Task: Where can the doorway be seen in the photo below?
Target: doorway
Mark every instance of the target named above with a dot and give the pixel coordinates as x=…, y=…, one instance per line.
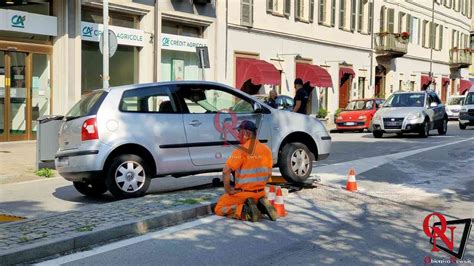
x=344, y=90
x=24, y=93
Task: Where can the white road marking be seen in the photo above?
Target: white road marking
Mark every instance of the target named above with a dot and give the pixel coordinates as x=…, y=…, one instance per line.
x=130, y=241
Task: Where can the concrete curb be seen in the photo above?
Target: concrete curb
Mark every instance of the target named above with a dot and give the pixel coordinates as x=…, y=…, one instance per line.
x=139, y=226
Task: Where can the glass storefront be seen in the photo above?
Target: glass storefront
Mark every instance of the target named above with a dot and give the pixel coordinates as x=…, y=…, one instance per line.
x=123, y=66
x=40, y=88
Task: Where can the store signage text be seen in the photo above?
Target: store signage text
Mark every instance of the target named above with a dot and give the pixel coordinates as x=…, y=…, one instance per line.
x=181, y=43
x=125, y=36
x=19, y=21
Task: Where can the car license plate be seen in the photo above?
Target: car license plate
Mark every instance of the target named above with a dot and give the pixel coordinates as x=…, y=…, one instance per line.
x=350, y=123
x=392, y=123
x=63, y=161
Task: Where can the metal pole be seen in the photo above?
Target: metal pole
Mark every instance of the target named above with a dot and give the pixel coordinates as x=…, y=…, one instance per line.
x=372, y=46
x=432, y=40
x=201, y=57
x=105, y=49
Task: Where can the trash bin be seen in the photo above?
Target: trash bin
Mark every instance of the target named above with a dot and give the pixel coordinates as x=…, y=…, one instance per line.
x=47, y=143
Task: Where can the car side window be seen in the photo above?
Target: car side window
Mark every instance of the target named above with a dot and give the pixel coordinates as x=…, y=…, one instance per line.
x=378, y=103
x=148, y=100
x=200, y=99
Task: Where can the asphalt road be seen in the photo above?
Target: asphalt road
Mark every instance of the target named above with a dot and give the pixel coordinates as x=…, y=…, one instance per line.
x=401, y=180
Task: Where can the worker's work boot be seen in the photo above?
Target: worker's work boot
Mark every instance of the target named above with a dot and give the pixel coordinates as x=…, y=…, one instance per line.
x=250, y=211
x=266, y=208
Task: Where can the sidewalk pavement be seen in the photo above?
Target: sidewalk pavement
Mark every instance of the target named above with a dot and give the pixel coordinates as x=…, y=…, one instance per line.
x=18, y=161
x=33, y=239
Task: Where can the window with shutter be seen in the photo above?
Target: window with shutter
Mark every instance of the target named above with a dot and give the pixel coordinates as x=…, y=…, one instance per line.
x=287, y=8
x=382, y=19
x=270, y=6
x=360, y=16
x=322, y=11
x=311, y=10
x=448, y=3
x=423, y=39
x=371, y=18
x=353, y=14
x=401, y=17
x=390, y=20
x=432, y=35
x=246, y=13
x=440, y=37
x=409, y=26
x=298, y=9
x=333, y=13
x=342, y=14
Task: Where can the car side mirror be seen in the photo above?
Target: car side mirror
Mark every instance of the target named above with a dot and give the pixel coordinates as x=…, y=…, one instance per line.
x=433, y=104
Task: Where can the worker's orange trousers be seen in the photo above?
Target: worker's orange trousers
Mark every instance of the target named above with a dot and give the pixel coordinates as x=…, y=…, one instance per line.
x=231, y=205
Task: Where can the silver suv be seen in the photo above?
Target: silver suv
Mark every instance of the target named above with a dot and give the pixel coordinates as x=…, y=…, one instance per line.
x=118, y=139
x=411, y=112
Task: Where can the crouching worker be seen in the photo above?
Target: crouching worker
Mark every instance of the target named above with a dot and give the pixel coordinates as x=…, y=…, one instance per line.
x=252, y=164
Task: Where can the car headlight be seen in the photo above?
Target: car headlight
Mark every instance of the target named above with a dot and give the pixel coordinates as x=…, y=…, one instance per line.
x=414, y=116
x=463, y=109
x=362, y=117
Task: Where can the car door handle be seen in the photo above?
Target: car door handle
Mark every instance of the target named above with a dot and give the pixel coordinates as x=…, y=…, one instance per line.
x=195, y=123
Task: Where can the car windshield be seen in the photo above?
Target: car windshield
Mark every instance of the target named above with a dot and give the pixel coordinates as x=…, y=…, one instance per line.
x=405, y=100
x=84, y=106
x=469, y=98
x=455, y=101
x=360, y=105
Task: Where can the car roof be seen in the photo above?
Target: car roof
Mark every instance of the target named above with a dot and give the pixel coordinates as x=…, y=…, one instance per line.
x=412, y=92
x=368, y=99
x=164, y=83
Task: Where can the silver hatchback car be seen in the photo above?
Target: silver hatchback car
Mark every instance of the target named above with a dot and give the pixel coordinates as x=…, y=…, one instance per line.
x=118, y=139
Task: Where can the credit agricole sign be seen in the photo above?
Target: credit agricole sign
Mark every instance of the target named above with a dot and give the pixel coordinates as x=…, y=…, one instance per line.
x=181, y=43
x=125, y=36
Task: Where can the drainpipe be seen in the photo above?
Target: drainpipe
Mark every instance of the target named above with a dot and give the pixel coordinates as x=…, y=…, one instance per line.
x=432, y=41
x=155, y=44
x=372, y=46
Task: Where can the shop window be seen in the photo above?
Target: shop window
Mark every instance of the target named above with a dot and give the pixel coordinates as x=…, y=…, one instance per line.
x=115, y=18
x=175, y=28
x=179, y=65
x=123, y=66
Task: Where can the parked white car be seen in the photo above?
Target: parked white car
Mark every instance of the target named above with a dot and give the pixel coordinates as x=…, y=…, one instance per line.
x=453, y=106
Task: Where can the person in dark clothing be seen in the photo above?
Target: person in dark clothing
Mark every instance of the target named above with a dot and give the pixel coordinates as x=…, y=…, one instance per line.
x=271, y=100
x=301, y=97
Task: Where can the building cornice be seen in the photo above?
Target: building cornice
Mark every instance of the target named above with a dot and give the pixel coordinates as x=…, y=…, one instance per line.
x=186, y=18
x=118, y=8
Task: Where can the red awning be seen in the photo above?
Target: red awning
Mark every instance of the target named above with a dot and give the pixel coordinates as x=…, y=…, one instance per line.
x=259, y=71
x=464, y=86
x=445, y=81
x=346, y=71
x=316, y=75
x=425, y=80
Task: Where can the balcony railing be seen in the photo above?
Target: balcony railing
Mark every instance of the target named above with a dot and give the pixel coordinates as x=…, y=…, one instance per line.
x=391, y=44
x=460, y=58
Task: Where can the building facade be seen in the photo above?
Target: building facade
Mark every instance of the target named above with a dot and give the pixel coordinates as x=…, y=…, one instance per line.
x=343, y=49
x=369, y=48
x=50, y=56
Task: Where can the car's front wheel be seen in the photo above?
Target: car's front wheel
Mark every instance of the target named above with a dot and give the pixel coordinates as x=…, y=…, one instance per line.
x=462, y=126
x=425, y=130
x=296, y=162
x=443, y=128
x=93, y=189
x=377, y=134
x=128, y=176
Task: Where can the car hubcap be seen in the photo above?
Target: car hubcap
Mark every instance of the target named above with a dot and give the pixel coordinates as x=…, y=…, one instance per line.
x=300, y=162
x=130, y=176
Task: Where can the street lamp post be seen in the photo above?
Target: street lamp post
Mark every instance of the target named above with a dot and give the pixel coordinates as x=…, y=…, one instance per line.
x=105, y=48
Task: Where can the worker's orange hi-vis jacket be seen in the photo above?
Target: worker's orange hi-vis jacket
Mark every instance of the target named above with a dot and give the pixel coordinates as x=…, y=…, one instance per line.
x=251, y=170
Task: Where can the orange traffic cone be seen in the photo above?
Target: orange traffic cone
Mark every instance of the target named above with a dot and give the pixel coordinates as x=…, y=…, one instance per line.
x=351, y=181
x=279, y=204
x=271, y=195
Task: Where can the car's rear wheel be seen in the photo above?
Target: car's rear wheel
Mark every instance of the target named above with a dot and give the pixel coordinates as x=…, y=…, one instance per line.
x=128, y=176
x=377, y=134
x=462, y=126
x=443, y=128
x=93, y=189
x=425, y=129
x=296, y=162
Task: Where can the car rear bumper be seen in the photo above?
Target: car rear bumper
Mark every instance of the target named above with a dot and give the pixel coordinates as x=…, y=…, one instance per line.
x=78, y=165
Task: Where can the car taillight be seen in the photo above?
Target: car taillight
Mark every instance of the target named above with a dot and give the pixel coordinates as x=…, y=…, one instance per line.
x=89, y=130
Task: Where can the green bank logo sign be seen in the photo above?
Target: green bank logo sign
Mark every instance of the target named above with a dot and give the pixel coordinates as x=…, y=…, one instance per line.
x=181, y=43
x=18, y=21
x=125, y=36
